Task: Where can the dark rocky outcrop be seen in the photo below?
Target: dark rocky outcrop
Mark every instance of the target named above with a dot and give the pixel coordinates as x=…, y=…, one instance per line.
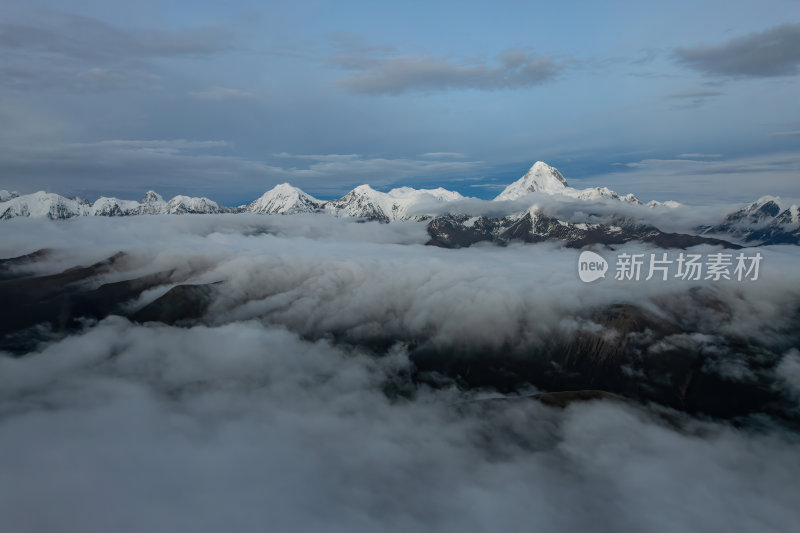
x=459, y=231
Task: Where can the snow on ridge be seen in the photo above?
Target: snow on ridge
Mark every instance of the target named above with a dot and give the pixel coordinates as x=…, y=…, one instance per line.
x=541, y=177
x=284, y=199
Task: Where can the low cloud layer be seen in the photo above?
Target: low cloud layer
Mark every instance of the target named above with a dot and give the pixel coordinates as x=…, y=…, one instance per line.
x=318, y=276
x=243, y=427
x=769, y=53
x=401, y=74
x=260, y=418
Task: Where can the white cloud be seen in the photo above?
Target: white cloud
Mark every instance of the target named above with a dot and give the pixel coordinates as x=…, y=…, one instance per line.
x=696, y=155
x=258, y=417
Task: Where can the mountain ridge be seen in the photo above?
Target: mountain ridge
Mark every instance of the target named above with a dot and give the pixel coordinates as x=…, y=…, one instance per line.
x=761, y=222
x=400, y=203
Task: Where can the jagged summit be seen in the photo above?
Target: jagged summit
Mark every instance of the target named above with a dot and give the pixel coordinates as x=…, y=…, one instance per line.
x=759, y=212
x=762, y=221
x=403, y=203
x=541, y=177
x=765, y=221
x=790, y=216
x=362, y=202
x=151, y=197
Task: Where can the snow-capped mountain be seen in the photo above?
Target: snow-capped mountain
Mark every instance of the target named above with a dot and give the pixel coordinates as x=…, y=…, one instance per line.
x=601, y=193
x=670, y=204
x=151, y=204
x=789, y=216
x=56, y=207
x=361, y=202
x=759, y=213
x=763, y=221
x=43, y=204
x=403, y=203
x=543, y=178
x=5, y=195
x=452, y=220
x=113, y=207
x=534, y=225
x=284, y=199
x=182, y=205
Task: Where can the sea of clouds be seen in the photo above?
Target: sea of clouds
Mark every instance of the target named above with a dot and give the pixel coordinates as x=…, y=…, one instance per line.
x=272, y=412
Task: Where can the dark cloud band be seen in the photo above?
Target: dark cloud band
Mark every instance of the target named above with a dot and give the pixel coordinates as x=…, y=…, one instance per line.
x=772, y=52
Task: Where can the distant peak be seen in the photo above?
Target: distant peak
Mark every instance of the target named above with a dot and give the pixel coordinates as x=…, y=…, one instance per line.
x=766, y=200
x=284, y=198
x=364, y=189
x=151, y=197
x=6, y=195
x=766, y=205
x=545, y=175
x=541, y=177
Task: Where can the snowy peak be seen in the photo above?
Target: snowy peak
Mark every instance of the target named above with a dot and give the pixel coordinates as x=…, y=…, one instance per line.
x=403, y=203
x=151, y=197
x=113, y=207
x=182, y=205
x=540, y=178
x=362, y=202
x=56, y=207
x=42, y=204
x=439, y=194
x=6, y=196
x=153, y=204
x=762, y=222
x=759, y=212
x=671, y=204
x=764, y=208
x=790, y=216
x=601, y=193
x=284, y=199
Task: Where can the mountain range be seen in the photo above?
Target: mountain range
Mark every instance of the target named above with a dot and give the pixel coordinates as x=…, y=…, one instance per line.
x=455, y=220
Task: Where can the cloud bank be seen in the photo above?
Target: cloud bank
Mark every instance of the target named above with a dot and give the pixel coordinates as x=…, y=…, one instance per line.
x=769, y=53
x=276, y=411
x=402, y=74
x=79, y=53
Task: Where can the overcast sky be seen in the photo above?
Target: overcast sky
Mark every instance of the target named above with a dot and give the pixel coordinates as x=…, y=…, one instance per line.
x=665, y=100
